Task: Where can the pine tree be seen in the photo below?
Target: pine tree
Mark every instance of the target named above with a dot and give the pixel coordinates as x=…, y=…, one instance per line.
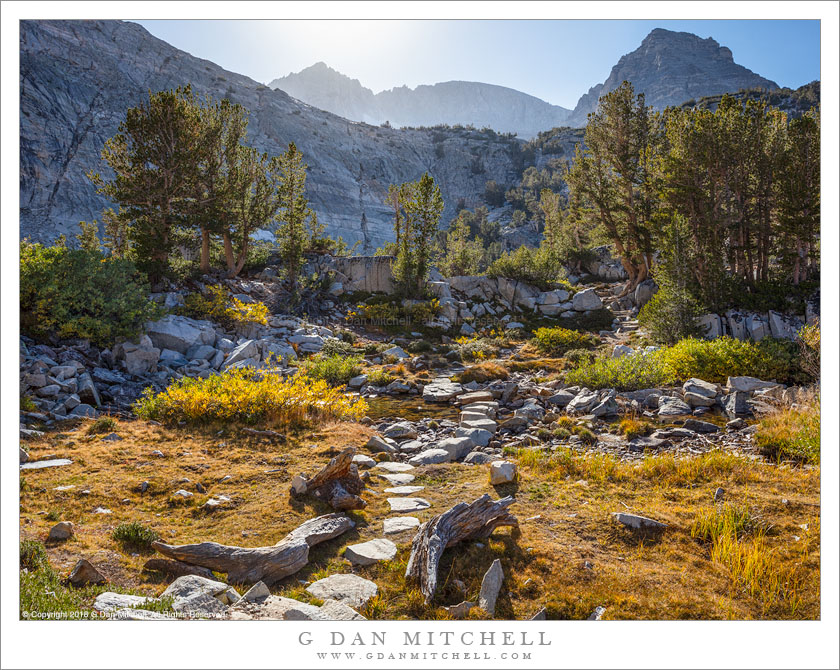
x=295, y=216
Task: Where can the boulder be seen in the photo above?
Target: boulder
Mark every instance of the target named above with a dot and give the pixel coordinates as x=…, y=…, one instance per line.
x=247, y=350
x=478, y=458
x=357, y=382
x=757, y=327
x=194, y=593
x=456, y=447
x=408, y=504
x=700, y=387
x=179, y=333
x=441, y=390
x=637, y=522
x=696, y=400
x=351, y=590
x=84, y=573
x=736, y=324
x=700, y=426
x=140, y=358
x=586, y=300
x=376, y=444
x=63, y=530
x=620, y=350
x=583, y=402
x=669, y=406
x=561, y=398
x=710, y=326
x=747, y=384
x=396, y=352
x=607, y=407
x=478, y=436
x=644, y=292
x=502, y=472
x=402, y=430
x=370, y=552
x=735, y=404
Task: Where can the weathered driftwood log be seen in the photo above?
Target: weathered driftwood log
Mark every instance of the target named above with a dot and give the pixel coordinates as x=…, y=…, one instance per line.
x=465, y=521
x=338, y=483
x=267, y=564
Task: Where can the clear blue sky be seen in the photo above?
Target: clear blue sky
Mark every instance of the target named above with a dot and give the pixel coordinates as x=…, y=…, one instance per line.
x=552, y=59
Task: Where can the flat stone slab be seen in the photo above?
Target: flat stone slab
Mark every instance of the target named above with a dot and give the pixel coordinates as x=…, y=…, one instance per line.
x=404, y=490
x=370, y=552
x=431, y=457
x=408, y=504
x=109, y=601
x=400, y=524
x=352, y=590
x=363, y=461
x=50, y=463
x=332, y=610
x=398, y=479
x=389, y=466
x=474, y=396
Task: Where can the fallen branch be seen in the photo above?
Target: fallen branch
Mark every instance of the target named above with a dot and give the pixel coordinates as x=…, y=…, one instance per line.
x=465, y=521
x=338, y=483
x=266, y=564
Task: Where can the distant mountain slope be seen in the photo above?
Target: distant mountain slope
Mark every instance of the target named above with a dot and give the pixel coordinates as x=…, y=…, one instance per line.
x=503, y=109
x=794, y=102
x=78, y=78
x=670, y=68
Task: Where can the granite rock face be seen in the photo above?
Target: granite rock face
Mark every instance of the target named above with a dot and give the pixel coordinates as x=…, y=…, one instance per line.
x=670, y=68
x=78, y=78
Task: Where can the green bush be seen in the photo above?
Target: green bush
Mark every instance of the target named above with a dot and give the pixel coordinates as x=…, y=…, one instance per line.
x=104, y=424
x=557, y=341
x=135, y=535
x=379, y=377
x=710, y=360
x=670, y=316
x=628, y=373
x=334, y=369
x=594, y=321
x=33, y=556
x=336, y=347
x=78, y=293
x=537, y=267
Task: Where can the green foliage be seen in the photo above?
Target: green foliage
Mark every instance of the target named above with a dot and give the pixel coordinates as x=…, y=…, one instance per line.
x=135, y=535
x=594, y=321
x=335, y=369
x=89, y=237
x=670, y=315
x=557, y=341
x=393, y=315
x=722, y=521
x=494, y=194
x=809, y=351
x=337, y=347
x=421, y=204
x=628, y=373
x=33, y=556
x=27, y=404
x=461, y=255
x=710, y=360
x=78, y=293
x=537, y=267
x=379, y=377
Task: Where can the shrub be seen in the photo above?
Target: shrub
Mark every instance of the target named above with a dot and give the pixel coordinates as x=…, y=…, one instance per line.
x=586, y=436
x=715, y=360
x=419, y=347
x=579, y=356
x=670, y=315
x=483, y=372
x=335, y=369
x=27, y=404
x=336, y=347
x=78, y=293
x=557, y=341
x=594, y=321
x=33, y=556
x=634, y=428
x=628, y=373
x=477, y=348
x=393, y=315
x=135, y=535
x=792, y=433
x=247, y=396
x=379, y=377
x=219, y=306
x=104, y=424
x=532, y=266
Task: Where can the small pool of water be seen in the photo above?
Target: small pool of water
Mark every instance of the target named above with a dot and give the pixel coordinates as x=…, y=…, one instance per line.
x=411, y=408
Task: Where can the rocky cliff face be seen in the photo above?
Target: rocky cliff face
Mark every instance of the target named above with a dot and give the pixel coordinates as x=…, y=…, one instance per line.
x=452, y=102
x=78, y=77
x=670, y=68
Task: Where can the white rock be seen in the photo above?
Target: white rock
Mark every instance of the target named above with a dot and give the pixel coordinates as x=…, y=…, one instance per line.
x=392, y=467
x=490, y=586
x=430, y=457
x=502, y=472
x=400, y=524
x=352, y=590
x=370, y=552
x=586, y=300
x=408, y=504
x=63, y=530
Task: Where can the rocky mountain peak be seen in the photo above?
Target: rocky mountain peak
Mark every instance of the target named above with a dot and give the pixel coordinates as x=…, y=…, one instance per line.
x=671, y=67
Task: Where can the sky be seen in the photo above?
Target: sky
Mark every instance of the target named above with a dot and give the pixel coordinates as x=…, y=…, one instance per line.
x=555, y=60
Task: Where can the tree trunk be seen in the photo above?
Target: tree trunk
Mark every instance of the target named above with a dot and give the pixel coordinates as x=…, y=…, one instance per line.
x=338, y=483
x=229, y=260
x=266, y=564
x=464, y=521
x=205, y=250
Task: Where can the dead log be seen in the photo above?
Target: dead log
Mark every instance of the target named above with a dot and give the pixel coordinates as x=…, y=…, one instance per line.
x=176, y=568
x=465, y=521
x=338, y=483
x=267, y=564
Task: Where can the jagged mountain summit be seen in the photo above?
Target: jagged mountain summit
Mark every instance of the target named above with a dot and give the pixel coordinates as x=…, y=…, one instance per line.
x=453, y=102
x=77, y=79
x=670, y=68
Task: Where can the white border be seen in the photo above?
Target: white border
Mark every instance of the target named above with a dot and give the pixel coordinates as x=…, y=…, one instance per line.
x=574, y=644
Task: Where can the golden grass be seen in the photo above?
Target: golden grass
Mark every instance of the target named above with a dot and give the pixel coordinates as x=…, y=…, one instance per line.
x=483, y=372
x=792, y=433
x=563, y=502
